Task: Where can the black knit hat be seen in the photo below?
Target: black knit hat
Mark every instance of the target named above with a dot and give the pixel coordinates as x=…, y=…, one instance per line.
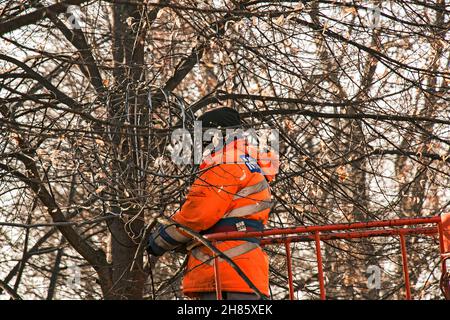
x=220, y=117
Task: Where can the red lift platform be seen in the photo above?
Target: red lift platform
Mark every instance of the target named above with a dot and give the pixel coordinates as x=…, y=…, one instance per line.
x=431, y=226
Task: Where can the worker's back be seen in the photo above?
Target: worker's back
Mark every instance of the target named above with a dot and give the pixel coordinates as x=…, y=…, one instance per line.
x=231, y=193
x=227, y=197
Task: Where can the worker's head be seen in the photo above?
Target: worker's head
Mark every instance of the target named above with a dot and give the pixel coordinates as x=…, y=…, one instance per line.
x=227, y=118
x=220, y=118
x=218, y=126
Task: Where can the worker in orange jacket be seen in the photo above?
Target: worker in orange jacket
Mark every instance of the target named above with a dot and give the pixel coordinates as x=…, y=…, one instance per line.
x=225, y=197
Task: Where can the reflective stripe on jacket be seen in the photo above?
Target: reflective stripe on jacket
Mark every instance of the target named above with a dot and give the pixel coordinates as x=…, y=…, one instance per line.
x=224, y=193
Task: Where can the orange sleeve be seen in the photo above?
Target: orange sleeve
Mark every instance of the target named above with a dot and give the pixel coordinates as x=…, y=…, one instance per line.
x=445, y=217
x=209, y=197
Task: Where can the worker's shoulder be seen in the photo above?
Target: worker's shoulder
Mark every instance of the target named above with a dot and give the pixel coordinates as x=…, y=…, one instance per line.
x=231, y=170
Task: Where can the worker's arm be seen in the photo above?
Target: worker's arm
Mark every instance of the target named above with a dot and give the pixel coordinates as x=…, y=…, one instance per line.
x=206, y=203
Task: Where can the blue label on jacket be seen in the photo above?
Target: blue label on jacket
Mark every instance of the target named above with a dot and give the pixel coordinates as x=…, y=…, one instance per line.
x=251, y=163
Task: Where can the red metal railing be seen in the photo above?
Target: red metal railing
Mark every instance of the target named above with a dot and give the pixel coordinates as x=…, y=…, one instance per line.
x=382, y=228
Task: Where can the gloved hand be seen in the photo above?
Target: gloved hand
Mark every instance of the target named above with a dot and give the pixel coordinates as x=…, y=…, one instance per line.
x=152, y=248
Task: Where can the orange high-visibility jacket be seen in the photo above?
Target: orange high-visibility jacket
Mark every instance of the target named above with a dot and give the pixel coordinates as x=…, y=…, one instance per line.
x=445, y=217
x=445, y=278
x=231, y=196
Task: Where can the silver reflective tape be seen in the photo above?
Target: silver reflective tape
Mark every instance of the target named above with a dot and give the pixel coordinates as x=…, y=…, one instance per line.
x=201, y=256
x=163, y=243
x=247, y=191
x=240, y=249
x=176, y=235
x=249, y=209
x=230, y=253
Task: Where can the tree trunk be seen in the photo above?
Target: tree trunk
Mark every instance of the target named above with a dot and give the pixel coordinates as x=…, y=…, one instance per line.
x=125, y=107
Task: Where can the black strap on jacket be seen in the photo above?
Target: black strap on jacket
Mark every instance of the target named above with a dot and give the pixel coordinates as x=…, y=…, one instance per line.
x=237, y=224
